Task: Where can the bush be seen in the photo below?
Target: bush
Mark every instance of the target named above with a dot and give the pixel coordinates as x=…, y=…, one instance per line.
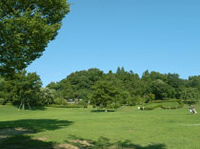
x=190, y=102
x=74, y=106
x=66, y=106
x=114, y=106
x=2, y=101
x=59, y=101
x=9, y=103
x=162, y=101
x=57, y=106
x=161, y=105
x=83, y=104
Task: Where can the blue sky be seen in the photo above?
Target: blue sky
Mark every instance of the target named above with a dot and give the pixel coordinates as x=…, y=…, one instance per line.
x=158, y=35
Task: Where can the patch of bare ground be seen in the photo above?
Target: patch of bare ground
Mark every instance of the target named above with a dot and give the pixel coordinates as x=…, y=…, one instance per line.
x=42, y=138
x=70, y=145
x=65, y=146
x=82, y=142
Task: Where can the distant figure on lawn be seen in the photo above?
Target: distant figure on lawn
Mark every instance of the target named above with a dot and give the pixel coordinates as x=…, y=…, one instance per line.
x=192, y=109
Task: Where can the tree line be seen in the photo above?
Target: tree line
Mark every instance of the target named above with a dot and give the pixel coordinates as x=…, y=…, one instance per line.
x=100, y=89
x=126, y=87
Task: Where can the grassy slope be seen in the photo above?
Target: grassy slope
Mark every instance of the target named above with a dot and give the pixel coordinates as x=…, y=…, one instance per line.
x=173, y=129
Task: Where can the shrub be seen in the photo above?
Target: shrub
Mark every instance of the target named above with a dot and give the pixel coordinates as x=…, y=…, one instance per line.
x=83, y=104
x=74, y=106
x=114, y=106
x=59, y=101
x=66, y=106
x=2, y=101
x=161, y=105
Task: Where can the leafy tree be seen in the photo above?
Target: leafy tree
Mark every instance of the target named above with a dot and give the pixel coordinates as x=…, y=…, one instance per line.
x=53, y=85
x=174, y=80
x=128, y=82
x=123, y=97
x=46, y=96
x=6, y=90
x=27, y=26
x=104, y=93
x=194, y=81
x=77, y=85
x=190, y=95
x=149, y=97
x=26, y=88
x=146, y=76
x=2, y=91
x=161, y=90
x=177, y=83
x=156, y=75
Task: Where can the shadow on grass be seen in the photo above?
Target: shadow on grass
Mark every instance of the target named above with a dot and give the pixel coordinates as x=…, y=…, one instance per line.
x=99, y=111
x=16, y=134
x=25, y=142
x=104, y=143
x=36, y=125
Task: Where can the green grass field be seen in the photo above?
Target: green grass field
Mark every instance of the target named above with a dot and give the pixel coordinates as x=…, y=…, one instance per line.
x=91, y=129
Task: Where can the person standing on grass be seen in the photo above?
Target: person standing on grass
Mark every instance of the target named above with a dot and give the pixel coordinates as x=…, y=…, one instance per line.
x=194, y=110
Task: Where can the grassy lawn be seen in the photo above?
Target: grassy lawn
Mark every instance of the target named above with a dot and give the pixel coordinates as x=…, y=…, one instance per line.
x=87, y=128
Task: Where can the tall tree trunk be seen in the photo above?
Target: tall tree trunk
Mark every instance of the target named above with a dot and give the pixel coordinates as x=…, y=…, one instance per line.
x=23, y=106
x=20, y=106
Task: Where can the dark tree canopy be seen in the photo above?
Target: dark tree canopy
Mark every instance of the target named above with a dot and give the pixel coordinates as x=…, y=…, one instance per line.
x=26, y=27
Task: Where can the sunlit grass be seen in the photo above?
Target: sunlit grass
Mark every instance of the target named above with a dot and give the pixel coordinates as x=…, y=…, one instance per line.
x=173, y=129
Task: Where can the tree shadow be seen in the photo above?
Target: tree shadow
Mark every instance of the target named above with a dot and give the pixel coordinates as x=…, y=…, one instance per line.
x=104, y=143
x=36, y=125
x=25, y=142
x=99, y=111
x=16, y=134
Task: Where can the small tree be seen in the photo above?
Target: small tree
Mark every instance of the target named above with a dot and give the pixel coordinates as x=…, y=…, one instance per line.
x=46, y=96
x=103, y=94
x=26, y=89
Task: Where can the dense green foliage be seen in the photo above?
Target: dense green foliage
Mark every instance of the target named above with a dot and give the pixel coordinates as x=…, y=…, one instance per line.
x=125, y=88
x=77, y=85
x=104, y=93
x=22, y=88
x=27, y=26
x=100, y=89
x=126, y=128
